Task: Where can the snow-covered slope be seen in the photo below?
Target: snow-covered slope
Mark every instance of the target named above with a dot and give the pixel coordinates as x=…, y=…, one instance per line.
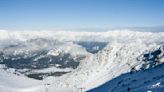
x=112, y=61
x=17, y=83
x=150, y=80
x=123, y=53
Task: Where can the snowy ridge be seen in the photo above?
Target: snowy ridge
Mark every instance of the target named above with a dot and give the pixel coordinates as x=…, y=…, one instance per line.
x=150, y=80
x=109, y=63
x=118, y=57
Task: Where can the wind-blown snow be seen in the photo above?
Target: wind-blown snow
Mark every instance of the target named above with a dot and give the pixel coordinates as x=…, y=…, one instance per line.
x=118, y=57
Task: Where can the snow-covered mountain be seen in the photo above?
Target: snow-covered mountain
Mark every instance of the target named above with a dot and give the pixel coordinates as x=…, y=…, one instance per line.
x=81, y=61
x=145, y=76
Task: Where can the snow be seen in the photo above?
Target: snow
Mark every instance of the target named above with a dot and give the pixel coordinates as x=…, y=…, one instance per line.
x=54, y=52
x=156, y=85
x=13, y=83
x=117, y=58
x=102, y=68
x=52, y=69
x=141, y=81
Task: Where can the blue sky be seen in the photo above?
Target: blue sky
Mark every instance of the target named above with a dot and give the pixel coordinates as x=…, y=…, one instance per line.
x=73, y=14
